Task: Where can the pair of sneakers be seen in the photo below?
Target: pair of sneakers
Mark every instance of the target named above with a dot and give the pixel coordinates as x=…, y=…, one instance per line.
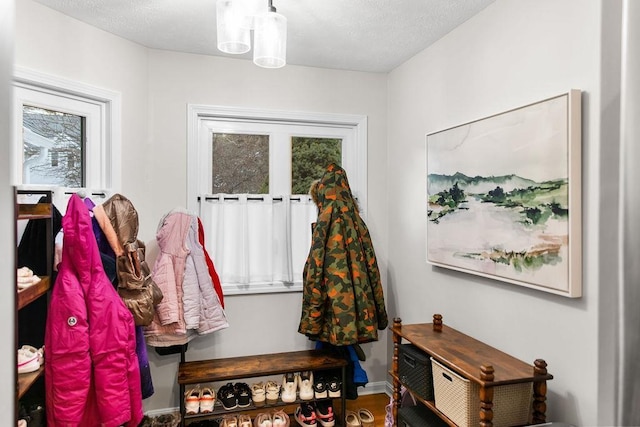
x=235, y=395
x=29, y=359
x=262, y=393
x=329, y=387
x=297, y=384
x=242, y=420
x=319, y=413
x=277, y=418
x=199, y=400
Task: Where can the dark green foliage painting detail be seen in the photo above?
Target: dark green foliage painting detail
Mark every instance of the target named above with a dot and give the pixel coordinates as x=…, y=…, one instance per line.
x=534, y=204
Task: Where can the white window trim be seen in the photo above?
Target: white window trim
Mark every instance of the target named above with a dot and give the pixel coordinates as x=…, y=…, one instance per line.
x=355, y=161
x=198, y=113
x=110, y=150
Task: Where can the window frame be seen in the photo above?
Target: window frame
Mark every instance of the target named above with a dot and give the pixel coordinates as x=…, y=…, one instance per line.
x=102, y=167
x=199, y=137
x=199, y=131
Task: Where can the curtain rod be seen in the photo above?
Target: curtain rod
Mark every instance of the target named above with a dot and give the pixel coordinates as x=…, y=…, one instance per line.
x=259, y=198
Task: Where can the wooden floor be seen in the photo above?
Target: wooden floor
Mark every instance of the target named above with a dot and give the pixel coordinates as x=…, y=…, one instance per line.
x=373, y=402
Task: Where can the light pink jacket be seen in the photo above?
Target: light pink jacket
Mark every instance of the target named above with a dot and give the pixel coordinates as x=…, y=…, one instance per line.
x=168, y=326
x=92, y=375
x=190, y=306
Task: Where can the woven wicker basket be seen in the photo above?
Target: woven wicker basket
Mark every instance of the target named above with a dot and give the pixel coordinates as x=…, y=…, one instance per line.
x=459, y=399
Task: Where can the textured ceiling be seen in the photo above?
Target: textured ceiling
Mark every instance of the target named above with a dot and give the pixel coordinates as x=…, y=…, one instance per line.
x=360, y=35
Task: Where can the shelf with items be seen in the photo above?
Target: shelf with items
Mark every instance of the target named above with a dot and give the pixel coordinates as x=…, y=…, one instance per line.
x=245, y=367
x=41, y=210
x=483, y=367
x=29, y=294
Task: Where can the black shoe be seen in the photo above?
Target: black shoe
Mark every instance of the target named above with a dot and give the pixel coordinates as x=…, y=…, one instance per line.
x=36, y=416
x=227, y=396
x=320, y=387
x=243, y=394
x=334, y=386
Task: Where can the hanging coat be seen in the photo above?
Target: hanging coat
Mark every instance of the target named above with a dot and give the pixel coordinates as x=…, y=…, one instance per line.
x=191, y=306
x=118, y=220
x=91, y=368
x=342, y=301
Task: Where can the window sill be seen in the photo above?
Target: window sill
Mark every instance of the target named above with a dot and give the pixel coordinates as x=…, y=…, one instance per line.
x=260, y=288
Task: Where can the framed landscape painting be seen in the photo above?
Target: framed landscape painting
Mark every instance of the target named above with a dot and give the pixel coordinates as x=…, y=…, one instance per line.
x=504, y=196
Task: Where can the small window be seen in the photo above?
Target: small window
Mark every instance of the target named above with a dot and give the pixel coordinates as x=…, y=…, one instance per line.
x=67, y=134
x=49, y=136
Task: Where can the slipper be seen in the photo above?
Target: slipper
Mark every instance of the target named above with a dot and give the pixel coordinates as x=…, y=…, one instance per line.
x=352, y=419
x=366, y=417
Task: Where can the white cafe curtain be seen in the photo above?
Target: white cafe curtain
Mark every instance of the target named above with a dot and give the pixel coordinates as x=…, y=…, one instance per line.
x=258, y=243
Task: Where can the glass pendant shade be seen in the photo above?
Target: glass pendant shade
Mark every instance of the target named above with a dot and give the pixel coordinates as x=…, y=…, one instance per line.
x=233, y=36
x=250, y=9
x=270, y=40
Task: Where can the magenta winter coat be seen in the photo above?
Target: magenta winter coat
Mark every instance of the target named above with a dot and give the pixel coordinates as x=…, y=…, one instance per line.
x=92, y=374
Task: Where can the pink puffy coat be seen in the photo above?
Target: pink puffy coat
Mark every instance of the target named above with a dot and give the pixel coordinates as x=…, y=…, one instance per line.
x=92, y=375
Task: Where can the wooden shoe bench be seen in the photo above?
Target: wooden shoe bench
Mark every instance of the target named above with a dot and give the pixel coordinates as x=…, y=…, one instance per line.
x=244, y=367
x=486, y=368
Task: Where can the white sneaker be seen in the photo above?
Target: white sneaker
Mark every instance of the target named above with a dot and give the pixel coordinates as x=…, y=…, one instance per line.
x=28, y=360
x=289, y=387
x=305, y=383
x=192, y=401
x=258, y=393
x=207, y=400
x=272, y=392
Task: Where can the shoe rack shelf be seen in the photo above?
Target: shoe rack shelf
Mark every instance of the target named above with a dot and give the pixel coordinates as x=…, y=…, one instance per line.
x=43, y=210
x=243, y=367
x=471, y=359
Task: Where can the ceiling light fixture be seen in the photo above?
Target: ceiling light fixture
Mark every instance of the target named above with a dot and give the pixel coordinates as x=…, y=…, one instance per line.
x=236, y=19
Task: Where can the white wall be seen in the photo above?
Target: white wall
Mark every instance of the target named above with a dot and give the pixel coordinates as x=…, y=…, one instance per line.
x=511, y=54
x=7, y=225
x=156, y=87
x=259, y=323
x=52, y=43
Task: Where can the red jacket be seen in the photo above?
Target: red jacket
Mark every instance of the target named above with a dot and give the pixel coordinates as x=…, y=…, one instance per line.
x=92, y=375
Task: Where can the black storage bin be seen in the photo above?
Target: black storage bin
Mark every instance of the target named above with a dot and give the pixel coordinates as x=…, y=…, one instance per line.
x=419, y=416
x=414, y=371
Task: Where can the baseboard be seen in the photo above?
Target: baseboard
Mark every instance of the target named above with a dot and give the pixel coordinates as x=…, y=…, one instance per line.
x=371, y=388
x=375, y=388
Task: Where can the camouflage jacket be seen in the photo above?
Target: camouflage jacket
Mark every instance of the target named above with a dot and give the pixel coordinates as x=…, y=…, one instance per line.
x=343, y=301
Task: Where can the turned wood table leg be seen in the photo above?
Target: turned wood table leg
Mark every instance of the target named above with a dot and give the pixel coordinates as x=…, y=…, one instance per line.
x=486, y=397
x=397, y=339
x=539, y=393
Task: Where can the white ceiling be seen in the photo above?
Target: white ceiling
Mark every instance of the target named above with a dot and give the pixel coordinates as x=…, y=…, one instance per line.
x=359, y=35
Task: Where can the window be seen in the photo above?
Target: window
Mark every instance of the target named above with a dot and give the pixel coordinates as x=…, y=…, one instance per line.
x=66, y=134
x=249, y=176
x=48, y=137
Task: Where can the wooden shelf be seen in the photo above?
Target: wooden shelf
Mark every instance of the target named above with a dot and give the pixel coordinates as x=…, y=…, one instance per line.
x=27, y=295
x=211, y=370
x=34, y=211
x=42, y=212
x=25, y=381
x=477, y=362
x=240, y=368
x=428, y=403
x=465, y=355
